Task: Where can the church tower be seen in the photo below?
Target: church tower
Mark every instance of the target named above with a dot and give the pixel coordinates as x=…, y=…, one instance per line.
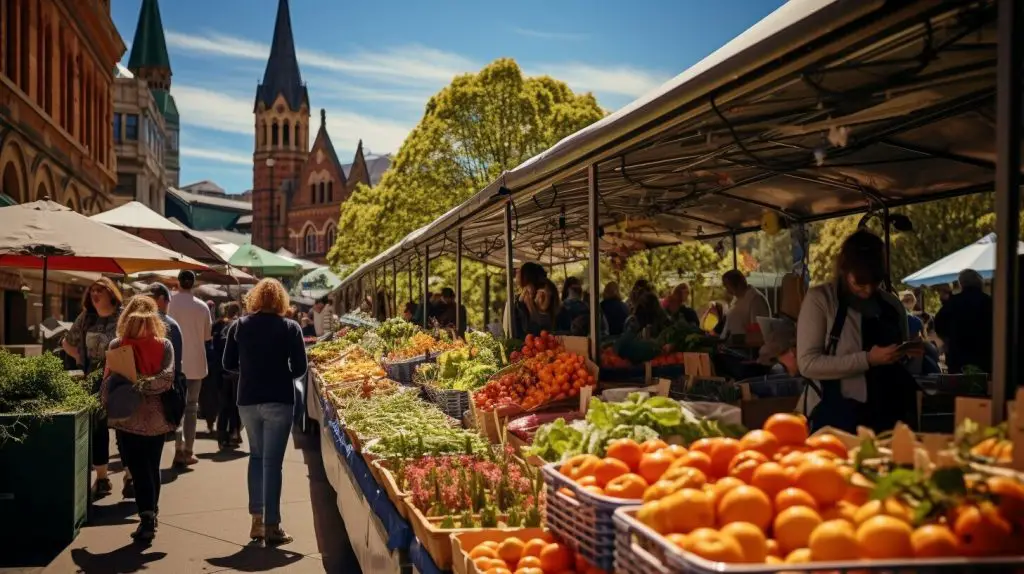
x=149, y=61
x=281, y=145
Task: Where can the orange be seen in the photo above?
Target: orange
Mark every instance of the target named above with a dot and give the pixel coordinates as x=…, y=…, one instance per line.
x=842, y=510
x=494, y=563
x=1011, y=498
x=483, y=563
x=653, y=445
x=723, y=485
x=830, y=443
x=821, y=479
x=751, y=538
x=588, y=480
x=744, y=456
x=676, y=538
x=793, y=527
x=858, y=488
x=685, y=477
x=695, y=459
x=773, y=560
x=888, y=507
x=794, y=458
x=594, y=489
x=654, y=464
x=799, y=556
x=511, y=549
x=528, y=570
x=497, y=570
x=676, y=450
x=934, y=541
x=762, y=441
x=630, y=486
x=608, y=468
x=490, y=544
x=555, y=558
x=482, y=551
x=627, y=450
x=745, y=504
x=833, y=540
x=794, y=497
x=704, y=445
x=715, y=546
x=825, y=454
x=772, y=547
x=579, y=465
x=528, y=562
x=533, y=547
x=565, y=490
x=771, y=478
x=680, y=512
x=981, y=531
x=789, y=429
x=884, y=538
x=722, y=454
x=659, y=490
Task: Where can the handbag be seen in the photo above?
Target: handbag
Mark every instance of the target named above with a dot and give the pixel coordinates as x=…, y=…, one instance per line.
x=834, y=409
x=173, y=400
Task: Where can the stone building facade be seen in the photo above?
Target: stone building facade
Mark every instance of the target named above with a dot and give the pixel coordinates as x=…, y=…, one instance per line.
x=297, y=190
x=140, y=143
x=56, y=109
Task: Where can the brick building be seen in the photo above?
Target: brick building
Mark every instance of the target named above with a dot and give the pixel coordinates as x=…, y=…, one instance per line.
x=56, y=109
x=297, y=190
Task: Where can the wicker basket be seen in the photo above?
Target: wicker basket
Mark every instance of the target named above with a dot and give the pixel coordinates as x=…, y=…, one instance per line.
x=405, y=370
x=452, y=403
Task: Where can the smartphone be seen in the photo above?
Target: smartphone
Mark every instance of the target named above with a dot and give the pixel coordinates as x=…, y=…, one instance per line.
x=911, y=346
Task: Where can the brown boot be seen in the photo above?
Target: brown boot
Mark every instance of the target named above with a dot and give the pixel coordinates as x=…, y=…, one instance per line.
x=276, y=536
x=257, y=531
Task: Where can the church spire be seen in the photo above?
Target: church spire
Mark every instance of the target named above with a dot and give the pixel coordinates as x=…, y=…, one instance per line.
x=282, y=77
x=149, y=59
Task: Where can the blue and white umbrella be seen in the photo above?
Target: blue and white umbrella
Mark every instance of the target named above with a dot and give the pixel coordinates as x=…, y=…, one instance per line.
x=980, y=256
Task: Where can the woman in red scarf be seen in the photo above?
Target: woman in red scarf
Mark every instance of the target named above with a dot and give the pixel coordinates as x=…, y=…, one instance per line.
x=140, y=435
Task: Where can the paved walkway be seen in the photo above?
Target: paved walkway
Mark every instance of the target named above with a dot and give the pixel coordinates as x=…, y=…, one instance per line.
x=204, y=522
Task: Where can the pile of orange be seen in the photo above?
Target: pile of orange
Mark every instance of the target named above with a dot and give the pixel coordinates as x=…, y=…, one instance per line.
x=776, y=496
x=535, y=556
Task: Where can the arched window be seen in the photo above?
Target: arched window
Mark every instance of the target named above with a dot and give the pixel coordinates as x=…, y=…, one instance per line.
x=287, y=134
x=298, y=140
x=312, y=193
x=330, y=191
x=263, y=133
x=322, y=192
x=310, y=240
x=332, y=233
x=274, y=132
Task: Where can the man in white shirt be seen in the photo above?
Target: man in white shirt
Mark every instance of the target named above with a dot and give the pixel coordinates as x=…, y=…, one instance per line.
x=748, y=304
x=193, y=316
x=322, y=311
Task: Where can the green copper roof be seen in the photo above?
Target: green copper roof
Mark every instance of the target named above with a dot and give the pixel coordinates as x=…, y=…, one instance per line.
x=165, y=103
x=149, y=49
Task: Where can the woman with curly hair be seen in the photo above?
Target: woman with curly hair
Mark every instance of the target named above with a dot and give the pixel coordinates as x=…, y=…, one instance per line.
x=266, y=350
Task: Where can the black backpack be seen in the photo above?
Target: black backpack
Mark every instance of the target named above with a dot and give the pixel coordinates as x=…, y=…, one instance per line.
x=173, y=400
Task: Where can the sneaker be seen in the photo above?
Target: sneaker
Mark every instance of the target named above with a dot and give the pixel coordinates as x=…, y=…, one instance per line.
x=102, y=487
x=146, y=530
x=235, y=440
x=276, y=536
x=128, y=491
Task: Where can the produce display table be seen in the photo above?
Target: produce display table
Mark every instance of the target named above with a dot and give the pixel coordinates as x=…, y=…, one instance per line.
x=382, y=540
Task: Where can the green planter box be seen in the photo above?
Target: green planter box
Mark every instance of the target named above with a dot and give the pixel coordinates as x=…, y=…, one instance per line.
x=44, y=484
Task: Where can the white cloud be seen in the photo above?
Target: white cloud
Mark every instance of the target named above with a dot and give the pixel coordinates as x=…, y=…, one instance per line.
x=219, y=111
x=216, y=155
x=545, y=35
x=618, y=80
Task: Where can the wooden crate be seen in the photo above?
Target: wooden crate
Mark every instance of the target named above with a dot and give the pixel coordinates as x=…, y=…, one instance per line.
x=464, y=542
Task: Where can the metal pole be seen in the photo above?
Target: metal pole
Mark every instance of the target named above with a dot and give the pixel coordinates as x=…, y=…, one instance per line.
x=394, y=287
x=735, y=257
x=426, y=286
x=1005, y=363
x=510, y=272
x=887, y=225
x=460, y=321
x=594, y=271
x=487, y=295
x=45, y=309
x=409, y=272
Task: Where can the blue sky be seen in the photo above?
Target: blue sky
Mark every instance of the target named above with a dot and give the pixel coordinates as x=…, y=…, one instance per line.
x=373, y=65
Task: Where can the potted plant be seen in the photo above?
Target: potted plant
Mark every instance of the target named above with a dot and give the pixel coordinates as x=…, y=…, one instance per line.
x=44, y=451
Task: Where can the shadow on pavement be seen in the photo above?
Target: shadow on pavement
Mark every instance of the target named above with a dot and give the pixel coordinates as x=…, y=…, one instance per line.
x=331, y=536
x=129, y=558
x=113, y=514
x=223, y=455
x=255, y=558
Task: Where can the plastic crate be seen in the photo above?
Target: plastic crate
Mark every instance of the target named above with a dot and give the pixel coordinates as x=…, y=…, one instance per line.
x=582, y=521
x=404, y=371
x=452, y=403
x=639, y=547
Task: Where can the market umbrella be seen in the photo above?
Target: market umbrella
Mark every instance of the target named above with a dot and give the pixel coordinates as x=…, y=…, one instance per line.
x=979, y=256
x=256, y=260
x=306, y=264
x=48, y=236
x=143, y=222
x=318, y=283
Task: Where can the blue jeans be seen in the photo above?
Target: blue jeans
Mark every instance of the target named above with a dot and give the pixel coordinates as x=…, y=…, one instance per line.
x=267, y=426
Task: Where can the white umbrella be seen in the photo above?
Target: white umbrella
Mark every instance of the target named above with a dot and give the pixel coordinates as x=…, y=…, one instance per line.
x=979, y=256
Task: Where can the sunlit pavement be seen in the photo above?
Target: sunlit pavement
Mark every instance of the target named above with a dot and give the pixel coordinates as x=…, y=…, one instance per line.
x=204, y=522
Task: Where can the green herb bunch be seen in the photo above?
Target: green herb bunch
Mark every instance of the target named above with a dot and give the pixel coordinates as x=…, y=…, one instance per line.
x=38, y=386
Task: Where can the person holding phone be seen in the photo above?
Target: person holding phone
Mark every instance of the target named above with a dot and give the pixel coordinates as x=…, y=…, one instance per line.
x=849, y=337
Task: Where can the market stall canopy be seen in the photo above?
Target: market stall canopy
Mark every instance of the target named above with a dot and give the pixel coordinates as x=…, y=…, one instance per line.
x=980, y=256
x=46, y=233
x=306, y=264
x=229, y=276
x=210, y=292
x=141, y=221
x=317, y=283
x=262, y=262
x=824, y=108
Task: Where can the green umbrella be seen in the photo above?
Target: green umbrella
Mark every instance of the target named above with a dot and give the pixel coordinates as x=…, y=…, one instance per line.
x=318, y=282
x=253, y=259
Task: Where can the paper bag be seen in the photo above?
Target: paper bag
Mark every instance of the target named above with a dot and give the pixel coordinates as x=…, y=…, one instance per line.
x=122, y=361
